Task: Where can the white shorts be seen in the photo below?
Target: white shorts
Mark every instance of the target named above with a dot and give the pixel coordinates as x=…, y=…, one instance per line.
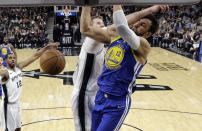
x=13, y=117
x=88, y=104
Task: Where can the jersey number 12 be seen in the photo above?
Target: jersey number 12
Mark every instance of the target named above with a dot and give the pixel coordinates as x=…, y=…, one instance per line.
x=19, y=84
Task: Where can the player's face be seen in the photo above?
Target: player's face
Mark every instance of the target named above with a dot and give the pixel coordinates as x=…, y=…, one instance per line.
x=98, y=22
x=6, y=41
x=142, y=27
x=11, y=60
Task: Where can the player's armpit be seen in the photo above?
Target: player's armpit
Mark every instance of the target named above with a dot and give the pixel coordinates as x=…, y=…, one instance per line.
x=143, y=51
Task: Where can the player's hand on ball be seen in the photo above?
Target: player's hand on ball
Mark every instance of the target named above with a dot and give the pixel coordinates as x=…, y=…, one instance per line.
x=53, y=45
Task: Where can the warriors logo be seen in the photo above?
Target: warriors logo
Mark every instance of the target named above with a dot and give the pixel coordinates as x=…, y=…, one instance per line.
x=4, y=51
x=114, y=57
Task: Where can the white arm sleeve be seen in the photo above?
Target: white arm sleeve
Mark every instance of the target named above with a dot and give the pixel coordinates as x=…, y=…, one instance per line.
x=124, y=31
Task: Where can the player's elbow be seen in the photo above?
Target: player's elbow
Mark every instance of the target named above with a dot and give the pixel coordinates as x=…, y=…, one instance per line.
x=122, y=30
x=84, y=30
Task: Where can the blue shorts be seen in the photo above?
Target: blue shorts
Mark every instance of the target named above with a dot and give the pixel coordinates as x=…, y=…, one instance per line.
x=109, y=112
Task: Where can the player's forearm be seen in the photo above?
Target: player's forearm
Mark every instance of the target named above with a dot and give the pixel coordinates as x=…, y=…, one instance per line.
x=15, y=54
x=116, y=8
x=36, y=55
x=40, y=52
x=132, y=18
x=85, y=21
x=122, y=28
x=13, y=50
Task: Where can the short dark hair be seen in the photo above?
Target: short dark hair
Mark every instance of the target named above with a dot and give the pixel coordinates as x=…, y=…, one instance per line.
x=8, y=54
x=155, y=24
x=96, y=17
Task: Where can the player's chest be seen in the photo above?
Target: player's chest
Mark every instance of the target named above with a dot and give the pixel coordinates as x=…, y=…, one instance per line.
x=15, y=76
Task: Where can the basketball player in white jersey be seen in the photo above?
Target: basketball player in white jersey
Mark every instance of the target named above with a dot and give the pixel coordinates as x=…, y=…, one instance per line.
x=85, y=77
x=1, y=67
x=11, y=80
x=89, y=68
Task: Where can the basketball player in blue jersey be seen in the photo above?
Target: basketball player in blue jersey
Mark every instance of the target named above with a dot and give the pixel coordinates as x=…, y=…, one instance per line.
x=5, y=49
x=85, y=79
x=125, y=57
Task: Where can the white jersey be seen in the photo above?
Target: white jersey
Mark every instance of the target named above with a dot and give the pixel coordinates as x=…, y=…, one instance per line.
x=13, y=86
x=89, y=65
x=85, y=78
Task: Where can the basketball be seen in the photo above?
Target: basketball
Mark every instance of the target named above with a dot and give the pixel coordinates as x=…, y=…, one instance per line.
x=52, y=62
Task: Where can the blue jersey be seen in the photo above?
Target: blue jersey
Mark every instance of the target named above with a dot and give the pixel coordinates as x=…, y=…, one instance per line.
x=5, y=49
x=120, y=69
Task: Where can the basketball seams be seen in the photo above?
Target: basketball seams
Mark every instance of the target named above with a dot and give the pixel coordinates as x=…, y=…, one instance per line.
x=55, y=69
x=60, y=67
x=48, y=52
x=50, y=59
x=63, y=63
x=52, y=62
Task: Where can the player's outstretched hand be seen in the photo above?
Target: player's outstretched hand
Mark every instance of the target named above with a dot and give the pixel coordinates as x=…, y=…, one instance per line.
x=53, y=45
x=159, y=8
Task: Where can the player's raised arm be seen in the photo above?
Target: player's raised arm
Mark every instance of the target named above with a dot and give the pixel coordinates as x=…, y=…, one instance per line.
x=36, y=55
x=136, y=16
x=13, y=50
x=87, y=29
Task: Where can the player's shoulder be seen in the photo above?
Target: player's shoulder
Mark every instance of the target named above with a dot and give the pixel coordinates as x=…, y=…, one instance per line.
x=17, y=68
x=144, y=42
x=91, y=46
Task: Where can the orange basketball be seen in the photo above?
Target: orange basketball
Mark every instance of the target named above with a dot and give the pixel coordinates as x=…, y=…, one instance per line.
x=52, y=62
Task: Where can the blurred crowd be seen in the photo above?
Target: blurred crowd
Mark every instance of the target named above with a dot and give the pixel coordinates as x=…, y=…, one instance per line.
x=180, y=27
x=24, y=26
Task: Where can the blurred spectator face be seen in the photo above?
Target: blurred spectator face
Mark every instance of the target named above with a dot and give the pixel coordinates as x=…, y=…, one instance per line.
x=98, y=22
x=6, y=41
x=141, y=27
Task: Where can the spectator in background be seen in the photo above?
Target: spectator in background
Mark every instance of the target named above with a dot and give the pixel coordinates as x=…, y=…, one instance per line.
x=22, y=23
x=56, y=33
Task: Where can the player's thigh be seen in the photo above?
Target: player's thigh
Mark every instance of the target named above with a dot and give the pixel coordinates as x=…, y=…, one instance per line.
x=18, y=117
x=110, y=120
x=11, y=118
x=96, y=119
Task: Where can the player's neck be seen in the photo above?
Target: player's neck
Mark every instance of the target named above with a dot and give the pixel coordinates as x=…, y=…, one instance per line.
x=11, y=68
